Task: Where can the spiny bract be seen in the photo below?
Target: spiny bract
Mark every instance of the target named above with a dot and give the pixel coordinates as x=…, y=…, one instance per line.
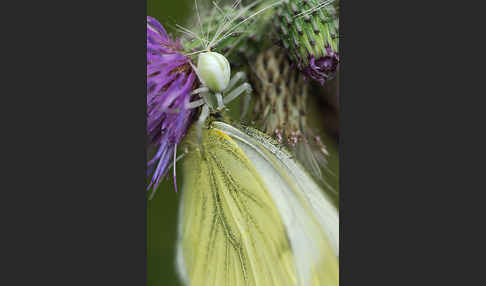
x=309, y=30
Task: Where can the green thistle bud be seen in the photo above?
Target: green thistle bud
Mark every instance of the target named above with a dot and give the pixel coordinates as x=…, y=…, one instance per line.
x=309, y=30
x=281, y=108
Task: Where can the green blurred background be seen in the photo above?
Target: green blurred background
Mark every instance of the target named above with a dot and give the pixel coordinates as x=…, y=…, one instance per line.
x=162, y=210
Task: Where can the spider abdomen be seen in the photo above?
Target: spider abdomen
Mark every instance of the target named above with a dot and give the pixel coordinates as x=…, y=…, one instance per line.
x=214, y=71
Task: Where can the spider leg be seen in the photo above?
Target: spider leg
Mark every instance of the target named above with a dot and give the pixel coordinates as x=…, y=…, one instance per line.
x=245, y=87
x=219, y=97
x=200, y=90
x=203, y=93
x=237, y=77
x=199, y=126
x=246, y=104
x=195, y=103
x=197, y=72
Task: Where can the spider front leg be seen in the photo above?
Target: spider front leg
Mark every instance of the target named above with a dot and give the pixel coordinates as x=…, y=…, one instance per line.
x=233, y=81
x=200, y=90
x=219, y=98
x=236, y=78
x=203, y=93
x=243, y=88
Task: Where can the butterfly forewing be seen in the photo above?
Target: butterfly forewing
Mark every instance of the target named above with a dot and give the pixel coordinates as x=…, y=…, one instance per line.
x=232, y=233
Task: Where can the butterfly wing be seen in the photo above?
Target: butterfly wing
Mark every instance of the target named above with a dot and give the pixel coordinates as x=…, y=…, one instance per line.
x=311, y=220
x=265, y=153
x=231, y=231
x=240, y=226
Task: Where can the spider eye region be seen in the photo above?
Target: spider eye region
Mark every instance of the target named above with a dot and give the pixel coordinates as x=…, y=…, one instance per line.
x=214, y=71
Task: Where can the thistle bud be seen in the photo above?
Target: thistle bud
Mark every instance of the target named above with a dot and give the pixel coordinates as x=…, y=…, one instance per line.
x=281, y=108
x=309, y=30
x=214, y=70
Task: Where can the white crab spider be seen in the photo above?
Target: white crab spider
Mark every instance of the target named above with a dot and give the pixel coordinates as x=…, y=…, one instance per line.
x=213, y=69
x=218, y=89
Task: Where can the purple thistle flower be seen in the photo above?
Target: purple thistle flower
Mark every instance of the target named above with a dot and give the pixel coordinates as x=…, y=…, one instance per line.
x=323, y=68
x=170, y=80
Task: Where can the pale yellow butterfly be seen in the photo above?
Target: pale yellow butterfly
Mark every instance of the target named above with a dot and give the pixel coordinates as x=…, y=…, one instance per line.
x=251, y=215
